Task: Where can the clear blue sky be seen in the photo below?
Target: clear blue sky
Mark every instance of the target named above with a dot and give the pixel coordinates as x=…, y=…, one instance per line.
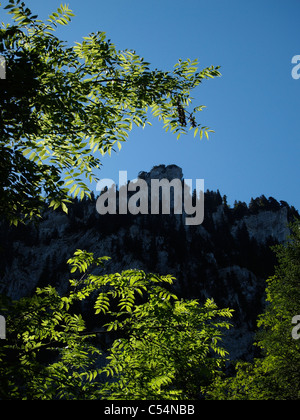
x=253, y=108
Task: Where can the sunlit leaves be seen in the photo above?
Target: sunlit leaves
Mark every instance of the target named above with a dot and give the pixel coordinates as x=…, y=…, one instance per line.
x=148, y=362
x=167, y=354
x=166, y=347
x=102, y=303
x=63, y=16
x=81, y=102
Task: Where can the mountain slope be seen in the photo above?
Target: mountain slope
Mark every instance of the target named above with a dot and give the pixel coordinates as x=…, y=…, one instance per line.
x=227, y=257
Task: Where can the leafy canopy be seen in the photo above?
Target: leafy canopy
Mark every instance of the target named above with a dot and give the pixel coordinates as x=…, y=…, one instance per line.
x=64, y=107
x=161, y=347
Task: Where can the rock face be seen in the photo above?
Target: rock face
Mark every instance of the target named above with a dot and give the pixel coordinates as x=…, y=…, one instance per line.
x=266, y=224
x=162, y=172
x=227, y=257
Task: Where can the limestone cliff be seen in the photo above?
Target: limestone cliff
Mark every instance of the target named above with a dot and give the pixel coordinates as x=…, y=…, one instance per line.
x=227, y=257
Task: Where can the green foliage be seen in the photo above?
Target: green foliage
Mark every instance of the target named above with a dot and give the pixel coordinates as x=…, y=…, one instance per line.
x=276, y=375
x=166, y=348
x=63, y=108
x=170, y=351
x=41, y=329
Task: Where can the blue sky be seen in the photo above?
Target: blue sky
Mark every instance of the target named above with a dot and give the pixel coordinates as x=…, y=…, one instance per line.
x=253, y=108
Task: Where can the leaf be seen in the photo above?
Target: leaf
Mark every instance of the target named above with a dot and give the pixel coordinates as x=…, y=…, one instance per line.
x=33, y=154
x=70, y=182
x=64, y=207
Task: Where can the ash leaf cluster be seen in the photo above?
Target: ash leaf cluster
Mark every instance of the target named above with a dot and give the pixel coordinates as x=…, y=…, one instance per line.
x=165, y=347
x=63, y=107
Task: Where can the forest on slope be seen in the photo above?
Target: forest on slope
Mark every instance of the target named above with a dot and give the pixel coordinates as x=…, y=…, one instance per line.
x=228, y=257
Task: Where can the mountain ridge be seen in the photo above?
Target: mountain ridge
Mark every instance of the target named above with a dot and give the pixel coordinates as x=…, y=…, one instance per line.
x=227, y=257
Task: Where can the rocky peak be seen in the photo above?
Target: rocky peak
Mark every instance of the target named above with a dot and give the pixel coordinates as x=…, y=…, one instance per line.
x=162, y=172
